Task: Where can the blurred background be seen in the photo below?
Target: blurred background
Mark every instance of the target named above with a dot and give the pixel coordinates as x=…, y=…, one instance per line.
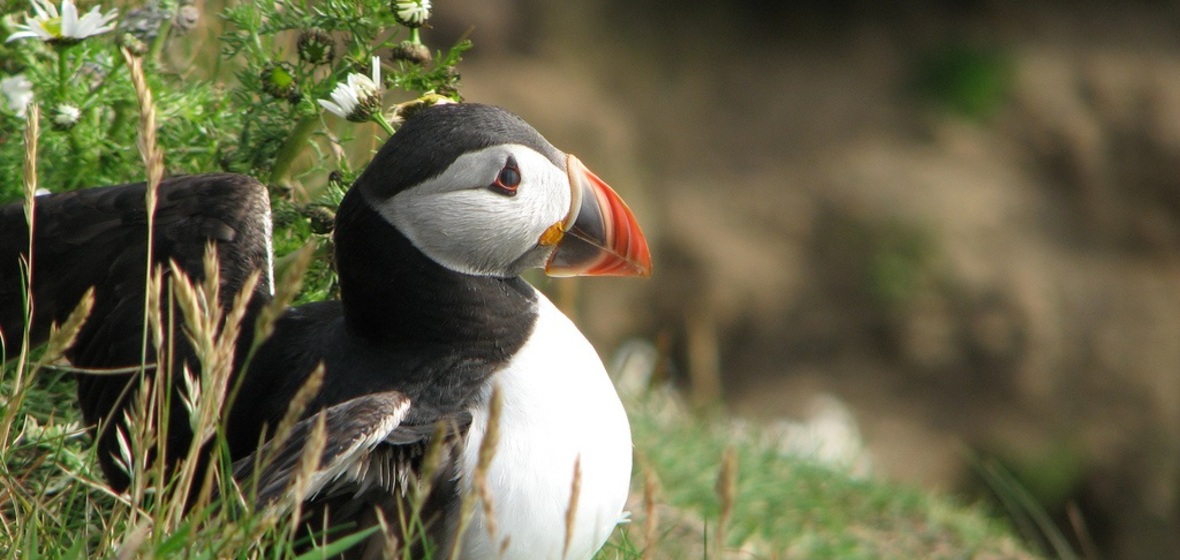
x=961, y=219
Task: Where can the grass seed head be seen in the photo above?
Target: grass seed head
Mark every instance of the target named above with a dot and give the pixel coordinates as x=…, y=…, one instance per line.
x=571, y=513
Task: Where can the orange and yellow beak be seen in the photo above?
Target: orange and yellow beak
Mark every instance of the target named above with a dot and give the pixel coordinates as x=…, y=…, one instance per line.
x=599, y=236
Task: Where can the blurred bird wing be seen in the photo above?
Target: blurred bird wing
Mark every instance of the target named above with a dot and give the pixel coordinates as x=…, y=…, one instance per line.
x=98, y=237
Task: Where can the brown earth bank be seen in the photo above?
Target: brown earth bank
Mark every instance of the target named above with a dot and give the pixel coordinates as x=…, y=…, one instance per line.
x=960, y=218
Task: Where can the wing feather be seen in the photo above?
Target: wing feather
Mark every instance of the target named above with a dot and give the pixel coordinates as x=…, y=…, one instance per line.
x=366, y=461
x=352, y=432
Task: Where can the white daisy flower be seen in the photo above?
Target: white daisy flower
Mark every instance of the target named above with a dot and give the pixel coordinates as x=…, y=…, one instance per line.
x=65, y=116
x=50, y=26
x=411, y=13
x=19, y=91
x=358, y=97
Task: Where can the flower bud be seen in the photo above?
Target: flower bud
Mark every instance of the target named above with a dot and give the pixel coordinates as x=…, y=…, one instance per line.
x=411, y=52
x=316, y=46
x=278, y=80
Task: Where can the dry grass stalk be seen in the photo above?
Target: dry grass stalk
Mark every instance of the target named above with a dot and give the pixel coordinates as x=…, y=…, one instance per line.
x=213, y=334
x=210, y=481
x=211, y=284
x=141, y=419
x=32, y=132
x=466, y=512
x=155, y=320
x=651, y=519
x=153, y=158
x=389, y=543
x=62, y=338
x=1081, y=531
x=157, y=389
x=487, y=452
x=285, y=291
x=480, y=490
x=295, y=410
x=231, y=327
x=432, y=461
x=421, y=485
x=571, y=513
x=130, y=546
x=726, y=488
x=309, y=462
x=199, y=307
x=151, y=417
x=153, y=161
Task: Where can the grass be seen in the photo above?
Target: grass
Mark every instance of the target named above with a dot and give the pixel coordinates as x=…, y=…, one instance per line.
x=782, y=505
x=53, y=503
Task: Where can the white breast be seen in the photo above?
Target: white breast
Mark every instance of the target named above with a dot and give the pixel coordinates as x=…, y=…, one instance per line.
x=559, y=405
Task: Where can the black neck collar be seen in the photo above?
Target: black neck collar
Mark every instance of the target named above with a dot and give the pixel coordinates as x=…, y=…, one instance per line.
x=392, y=292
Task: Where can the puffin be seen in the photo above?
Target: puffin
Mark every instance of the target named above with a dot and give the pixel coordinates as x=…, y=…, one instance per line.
x=435, y=341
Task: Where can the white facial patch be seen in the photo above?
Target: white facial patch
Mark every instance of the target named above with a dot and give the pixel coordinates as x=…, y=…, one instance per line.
x=456, y=220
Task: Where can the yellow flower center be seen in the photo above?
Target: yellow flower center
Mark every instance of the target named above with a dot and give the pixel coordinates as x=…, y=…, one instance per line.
x=53, y=26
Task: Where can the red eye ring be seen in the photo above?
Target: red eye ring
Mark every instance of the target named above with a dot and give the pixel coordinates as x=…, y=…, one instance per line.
x=508, y=179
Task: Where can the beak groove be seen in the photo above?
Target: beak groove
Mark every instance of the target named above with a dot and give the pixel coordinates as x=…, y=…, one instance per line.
x=602, y=236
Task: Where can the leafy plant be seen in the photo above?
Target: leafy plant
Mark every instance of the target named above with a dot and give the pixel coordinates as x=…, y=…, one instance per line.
x=287, y=58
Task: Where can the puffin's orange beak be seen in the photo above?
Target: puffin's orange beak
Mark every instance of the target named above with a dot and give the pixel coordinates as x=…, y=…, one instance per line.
x=599, y=236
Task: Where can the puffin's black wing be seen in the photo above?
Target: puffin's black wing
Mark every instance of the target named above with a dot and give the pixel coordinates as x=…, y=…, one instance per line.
x=368, y=461
x=98, y=237
x=352, y=431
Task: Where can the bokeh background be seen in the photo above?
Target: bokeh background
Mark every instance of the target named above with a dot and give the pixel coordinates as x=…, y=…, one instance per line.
x=959, y=218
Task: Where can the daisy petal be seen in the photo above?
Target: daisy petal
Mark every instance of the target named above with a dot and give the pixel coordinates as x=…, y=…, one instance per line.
x=333, y=108
x=44, y=9
x=69, y=19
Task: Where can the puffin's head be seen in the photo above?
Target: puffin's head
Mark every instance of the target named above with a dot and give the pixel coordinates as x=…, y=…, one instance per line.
x=479, y=191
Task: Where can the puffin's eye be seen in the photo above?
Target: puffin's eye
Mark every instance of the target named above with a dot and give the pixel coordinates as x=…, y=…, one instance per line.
x=508, y=179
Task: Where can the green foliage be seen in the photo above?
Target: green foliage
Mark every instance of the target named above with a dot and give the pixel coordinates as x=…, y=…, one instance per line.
x=966, y=80
x=258, y=124
x=86, y=76
x=263, y=35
